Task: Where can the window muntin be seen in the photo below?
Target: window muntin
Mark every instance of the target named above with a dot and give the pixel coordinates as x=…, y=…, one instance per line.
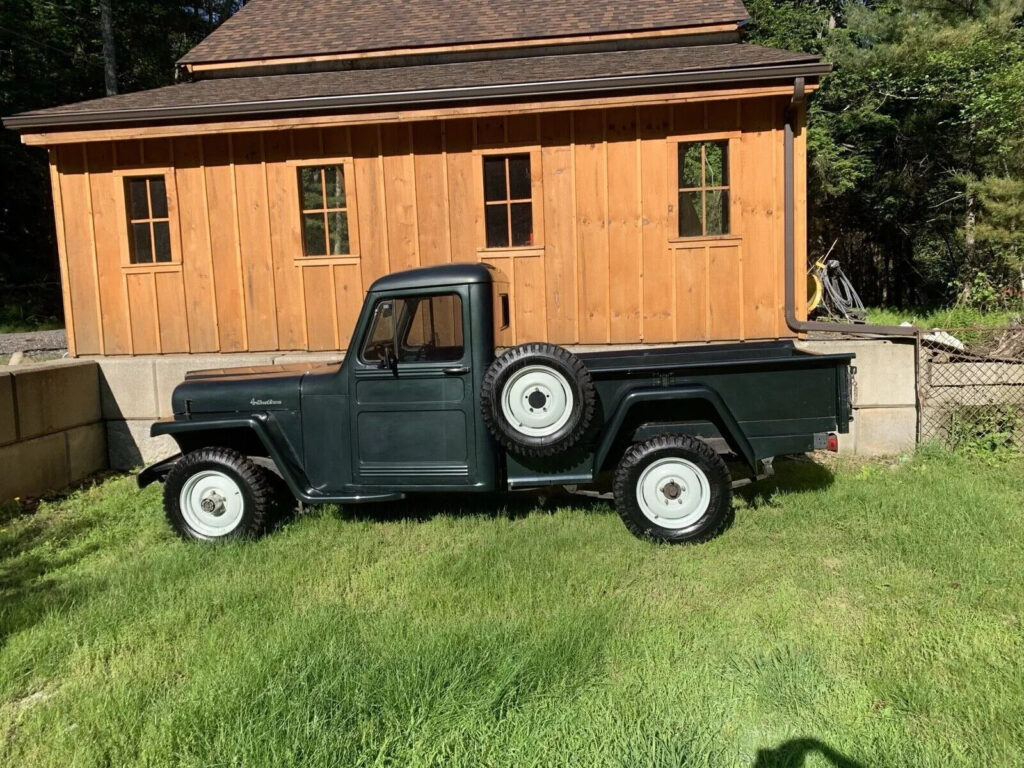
x=324, y=208
x=429, y=330
x=149, y=224
x=508, y=201
x=703, y=188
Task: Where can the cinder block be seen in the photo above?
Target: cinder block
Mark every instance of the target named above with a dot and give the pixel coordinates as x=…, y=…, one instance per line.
x=129, y=444
x=33, y=467
x=886, y=373
x=87, y=451
x=170, y=370
x=8, y=425
x=127, y=388
x=885, y=431
x=52, y=397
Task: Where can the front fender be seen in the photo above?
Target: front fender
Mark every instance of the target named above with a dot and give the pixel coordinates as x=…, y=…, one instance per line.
x=286, y=465
x=158, y=471
x=728, y=425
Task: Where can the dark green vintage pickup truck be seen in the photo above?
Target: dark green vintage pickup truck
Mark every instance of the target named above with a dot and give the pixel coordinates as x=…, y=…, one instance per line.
x=423, y=404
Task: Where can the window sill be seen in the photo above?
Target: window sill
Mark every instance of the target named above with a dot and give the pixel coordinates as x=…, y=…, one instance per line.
x=325, y=261
x=523, y=250
x=705, y=239
x=153, y=266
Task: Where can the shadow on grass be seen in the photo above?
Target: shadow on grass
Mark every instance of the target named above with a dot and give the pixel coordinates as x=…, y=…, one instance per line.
x=513, y=506
x=30, y=557
x=792, y=475
x=793, y=754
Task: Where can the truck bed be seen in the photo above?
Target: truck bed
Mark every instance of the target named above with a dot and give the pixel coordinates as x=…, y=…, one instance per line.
x=659, y=359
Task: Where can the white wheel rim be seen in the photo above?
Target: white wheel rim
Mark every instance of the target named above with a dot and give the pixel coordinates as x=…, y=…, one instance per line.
x=211, y=503
x=673, y=493
x=537, y=401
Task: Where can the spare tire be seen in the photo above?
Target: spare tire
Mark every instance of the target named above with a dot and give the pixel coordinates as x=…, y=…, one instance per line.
x=538, y=400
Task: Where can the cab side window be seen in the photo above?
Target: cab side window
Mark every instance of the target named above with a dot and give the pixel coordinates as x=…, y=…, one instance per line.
x=427, y=329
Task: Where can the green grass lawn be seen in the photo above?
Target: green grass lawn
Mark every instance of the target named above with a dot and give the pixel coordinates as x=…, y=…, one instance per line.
x=954, y=317
x=866, y=617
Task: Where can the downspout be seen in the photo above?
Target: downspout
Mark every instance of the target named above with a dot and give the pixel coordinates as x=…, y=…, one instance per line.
x=802, y=326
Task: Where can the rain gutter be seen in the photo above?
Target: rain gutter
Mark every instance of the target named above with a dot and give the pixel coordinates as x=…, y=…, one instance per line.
x=420, y=98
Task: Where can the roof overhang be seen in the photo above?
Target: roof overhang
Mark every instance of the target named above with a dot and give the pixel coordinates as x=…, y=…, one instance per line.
x=68, y=119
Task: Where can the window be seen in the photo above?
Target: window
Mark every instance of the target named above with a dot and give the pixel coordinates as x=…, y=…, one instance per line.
x=508, y=206
x=149, y=225
x=324, y=211
x=703, y=188
x=427, y=329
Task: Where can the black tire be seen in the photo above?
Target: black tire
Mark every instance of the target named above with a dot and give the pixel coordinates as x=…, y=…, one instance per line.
x=703, y=459
x=580, y=421
x=260, y=499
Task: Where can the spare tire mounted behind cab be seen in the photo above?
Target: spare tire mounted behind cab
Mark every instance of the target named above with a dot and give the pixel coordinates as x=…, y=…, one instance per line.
x=538, y=400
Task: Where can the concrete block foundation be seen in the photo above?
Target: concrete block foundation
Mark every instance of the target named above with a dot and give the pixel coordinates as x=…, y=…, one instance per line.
x=51, y=428
x=884, y=394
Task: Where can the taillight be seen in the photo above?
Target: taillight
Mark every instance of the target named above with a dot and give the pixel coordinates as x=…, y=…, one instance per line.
x=833, y=442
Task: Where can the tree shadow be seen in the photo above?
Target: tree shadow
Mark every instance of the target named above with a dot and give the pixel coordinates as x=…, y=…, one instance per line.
x=793, y=754
x=31, y=557
x=793, y=474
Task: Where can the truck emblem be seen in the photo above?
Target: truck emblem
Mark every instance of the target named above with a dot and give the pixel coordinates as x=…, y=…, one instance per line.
x=254, y=401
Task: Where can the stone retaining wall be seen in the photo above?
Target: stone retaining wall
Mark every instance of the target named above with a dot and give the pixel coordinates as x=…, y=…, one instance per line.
x=51, y=427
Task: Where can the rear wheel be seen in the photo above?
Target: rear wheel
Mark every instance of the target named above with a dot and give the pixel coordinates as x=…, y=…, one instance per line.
x=215, y=494
x=673, y=488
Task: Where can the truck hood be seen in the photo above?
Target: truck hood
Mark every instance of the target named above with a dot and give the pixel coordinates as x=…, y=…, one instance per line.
x=242, y=390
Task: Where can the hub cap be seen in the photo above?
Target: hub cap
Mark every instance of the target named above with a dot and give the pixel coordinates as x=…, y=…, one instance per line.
x=673, y=493
x=211, y=503
x=537, y=401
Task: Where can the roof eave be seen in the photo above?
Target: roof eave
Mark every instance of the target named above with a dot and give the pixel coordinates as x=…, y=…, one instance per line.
x=28, y=122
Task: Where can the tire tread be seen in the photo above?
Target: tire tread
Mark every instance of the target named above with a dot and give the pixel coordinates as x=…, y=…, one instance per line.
x=714, y=467
x=259, y=514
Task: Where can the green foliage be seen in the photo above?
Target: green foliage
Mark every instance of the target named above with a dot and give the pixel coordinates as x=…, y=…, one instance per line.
x=916, y=140
x=986, y=429
x=956, y=317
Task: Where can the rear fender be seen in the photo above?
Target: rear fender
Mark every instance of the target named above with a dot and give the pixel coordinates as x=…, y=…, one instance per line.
x=285, y=465
x=726, y=422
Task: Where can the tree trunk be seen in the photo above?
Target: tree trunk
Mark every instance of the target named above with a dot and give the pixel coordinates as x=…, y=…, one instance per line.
x=109, y=55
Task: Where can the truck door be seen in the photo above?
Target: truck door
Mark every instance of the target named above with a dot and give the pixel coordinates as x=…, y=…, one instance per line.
x=413, y=405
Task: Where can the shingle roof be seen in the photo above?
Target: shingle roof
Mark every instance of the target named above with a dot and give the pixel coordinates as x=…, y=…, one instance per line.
x=284, y=28
x=434, y=85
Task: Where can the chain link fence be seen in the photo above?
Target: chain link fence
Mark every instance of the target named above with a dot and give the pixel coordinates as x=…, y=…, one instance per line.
x=971, y=387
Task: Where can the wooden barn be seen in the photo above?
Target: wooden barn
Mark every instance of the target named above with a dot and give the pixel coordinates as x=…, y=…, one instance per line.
x=622, y=161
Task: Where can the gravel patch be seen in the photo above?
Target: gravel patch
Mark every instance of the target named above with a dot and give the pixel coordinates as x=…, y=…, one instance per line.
x=36, y=341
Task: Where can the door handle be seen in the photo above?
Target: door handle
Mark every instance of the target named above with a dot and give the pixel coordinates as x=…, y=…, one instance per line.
x=458, y=370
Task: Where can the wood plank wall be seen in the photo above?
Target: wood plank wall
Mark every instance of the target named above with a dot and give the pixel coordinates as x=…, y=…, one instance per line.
x=604, y=268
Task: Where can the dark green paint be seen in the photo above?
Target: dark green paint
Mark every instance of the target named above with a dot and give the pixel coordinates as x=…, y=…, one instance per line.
x=357, y=431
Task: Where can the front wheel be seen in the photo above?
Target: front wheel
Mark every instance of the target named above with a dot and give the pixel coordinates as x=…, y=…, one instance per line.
x=673, y=488
x=215, y=494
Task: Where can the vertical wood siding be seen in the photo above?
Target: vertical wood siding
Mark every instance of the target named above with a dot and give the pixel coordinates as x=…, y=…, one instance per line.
x=604, y=269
